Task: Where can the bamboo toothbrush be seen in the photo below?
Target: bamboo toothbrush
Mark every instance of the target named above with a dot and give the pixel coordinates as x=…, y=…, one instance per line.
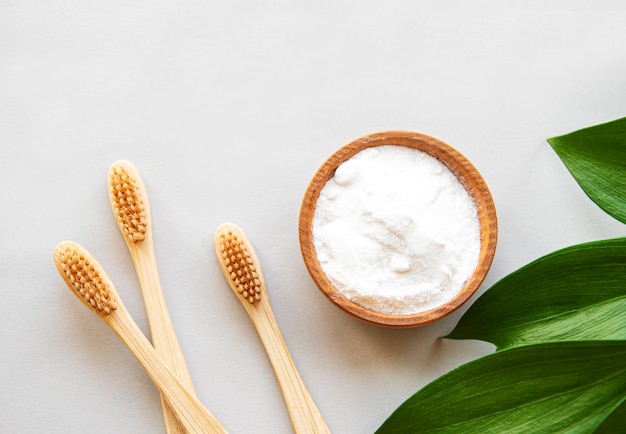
x=129, y=202
x=242, y=270
x=90, y=283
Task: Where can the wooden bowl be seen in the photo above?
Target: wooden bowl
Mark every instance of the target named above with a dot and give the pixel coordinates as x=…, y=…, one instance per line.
x=465, y=172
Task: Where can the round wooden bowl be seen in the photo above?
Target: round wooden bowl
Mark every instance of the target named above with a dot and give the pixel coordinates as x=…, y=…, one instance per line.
x=466, y=173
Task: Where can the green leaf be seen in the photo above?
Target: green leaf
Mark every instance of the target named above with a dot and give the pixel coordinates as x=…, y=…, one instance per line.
x=577, y=293
x=557, y=387
x=596, y=158
x=615, y=423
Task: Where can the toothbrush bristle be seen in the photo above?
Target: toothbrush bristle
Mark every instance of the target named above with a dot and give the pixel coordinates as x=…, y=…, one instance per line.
x=239, y=266
x=85, y=277
x=127, y=202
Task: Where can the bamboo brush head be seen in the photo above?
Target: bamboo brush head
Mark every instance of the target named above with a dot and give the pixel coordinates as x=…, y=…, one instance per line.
x=128, y=200
x=85, y=277
x=239, y=262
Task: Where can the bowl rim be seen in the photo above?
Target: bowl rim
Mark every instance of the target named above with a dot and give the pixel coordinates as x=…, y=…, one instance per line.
x=465, y=172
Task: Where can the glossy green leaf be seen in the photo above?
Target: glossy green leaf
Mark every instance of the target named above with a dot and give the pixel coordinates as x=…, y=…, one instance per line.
x=557, y=387
x=578, y=293
x=596, y=158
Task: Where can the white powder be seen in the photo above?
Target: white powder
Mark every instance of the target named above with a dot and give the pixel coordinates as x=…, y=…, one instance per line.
x=395, y=231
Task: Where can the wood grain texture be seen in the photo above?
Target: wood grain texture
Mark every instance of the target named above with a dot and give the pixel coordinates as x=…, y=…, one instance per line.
x=304, y=414
x=465, y=172
x=189, y=412
x=141, y=248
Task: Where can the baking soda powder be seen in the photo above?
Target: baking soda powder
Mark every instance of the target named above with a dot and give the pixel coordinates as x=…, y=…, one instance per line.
x=395, y=231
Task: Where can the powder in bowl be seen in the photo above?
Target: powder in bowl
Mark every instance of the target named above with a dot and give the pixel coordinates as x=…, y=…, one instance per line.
x=395, y=231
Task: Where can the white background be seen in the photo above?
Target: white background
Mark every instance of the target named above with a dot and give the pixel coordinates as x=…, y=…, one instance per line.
x=227, y=109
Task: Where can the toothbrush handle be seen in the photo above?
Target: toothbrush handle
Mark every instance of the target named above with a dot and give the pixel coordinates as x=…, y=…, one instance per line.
x=190, y=412
x=304, y=414
x=162, y=332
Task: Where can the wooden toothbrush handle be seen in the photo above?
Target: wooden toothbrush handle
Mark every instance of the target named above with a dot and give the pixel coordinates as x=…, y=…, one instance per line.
x=304, y=414
x=190, y=412
x=162, y=332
